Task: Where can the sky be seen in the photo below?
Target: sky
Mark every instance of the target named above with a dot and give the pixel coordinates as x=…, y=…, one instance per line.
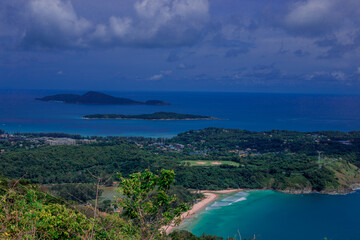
x=290, y=46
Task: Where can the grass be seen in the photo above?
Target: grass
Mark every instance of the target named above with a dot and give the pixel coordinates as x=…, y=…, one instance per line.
x=206, y=163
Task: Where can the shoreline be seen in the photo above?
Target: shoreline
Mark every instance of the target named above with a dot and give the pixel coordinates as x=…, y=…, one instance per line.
x=160, y=119
x=210, y=196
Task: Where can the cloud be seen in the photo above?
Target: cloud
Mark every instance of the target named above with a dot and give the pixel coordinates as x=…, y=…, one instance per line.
x=262, y=75
x=336, y=49
x=156, y=77
x=183, y=66
x=300, y=53
x=234, y=52
x=173, y=57
x=333, y=24
x=160, y=75
x=314, y=18
x=161, y=23
x=338, y=77
x=54, y=24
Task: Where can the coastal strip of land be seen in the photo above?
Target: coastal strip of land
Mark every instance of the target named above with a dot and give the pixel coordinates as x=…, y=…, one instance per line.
x=209, y=197
x=153, y=116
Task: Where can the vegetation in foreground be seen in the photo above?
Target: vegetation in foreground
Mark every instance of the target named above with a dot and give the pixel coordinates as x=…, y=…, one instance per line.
x=27, y=212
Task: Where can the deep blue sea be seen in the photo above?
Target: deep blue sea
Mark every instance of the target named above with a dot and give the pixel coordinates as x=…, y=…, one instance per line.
x=20, y=112
x=272, y=215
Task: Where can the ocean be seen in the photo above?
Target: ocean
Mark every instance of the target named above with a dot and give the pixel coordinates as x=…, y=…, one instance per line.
x=20, y=112
x=272, y=215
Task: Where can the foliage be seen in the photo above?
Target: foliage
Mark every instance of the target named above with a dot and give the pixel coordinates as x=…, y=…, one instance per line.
x=27, y=213
x=78, y=192
x=280, y=160
x=147, y=203
x=71, y=164
x=185, y=235
x=96, y=98
x=50, y=135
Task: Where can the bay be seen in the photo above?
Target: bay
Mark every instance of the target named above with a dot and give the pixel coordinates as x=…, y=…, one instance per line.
x=273, y=215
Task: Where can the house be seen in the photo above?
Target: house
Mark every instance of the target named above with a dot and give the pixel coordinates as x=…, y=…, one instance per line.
x=243, y=153
x=61, y=141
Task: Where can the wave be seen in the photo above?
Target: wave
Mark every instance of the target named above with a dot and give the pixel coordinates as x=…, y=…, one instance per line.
x=228, y=201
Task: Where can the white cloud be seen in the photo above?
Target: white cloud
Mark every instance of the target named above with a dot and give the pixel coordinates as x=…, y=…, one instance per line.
x=312, y=13
x=156, y=77
x=339, y=75
x=319, y=17
x=120, y=26
x=160, y=75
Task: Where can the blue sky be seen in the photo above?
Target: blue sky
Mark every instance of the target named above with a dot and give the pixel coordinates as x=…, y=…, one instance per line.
x=308, y=46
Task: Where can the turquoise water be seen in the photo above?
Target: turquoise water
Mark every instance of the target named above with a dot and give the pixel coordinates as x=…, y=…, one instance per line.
x=272, y=215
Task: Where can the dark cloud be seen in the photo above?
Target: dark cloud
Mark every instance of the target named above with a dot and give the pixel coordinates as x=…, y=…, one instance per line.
x=173, y=57
x=163, y=23
x=261, y=75
x=220, y=41
x=265, y=72
x=300, y=53
x=234, y=52
x=336, y=49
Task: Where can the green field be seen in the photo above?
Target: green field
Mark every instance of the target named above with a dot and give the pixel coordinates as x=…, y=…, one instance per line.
x=206, y=163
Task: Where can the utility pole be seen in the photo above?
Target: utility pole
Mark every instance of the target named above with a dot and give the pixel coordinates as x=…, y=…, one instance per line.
x=319, y=158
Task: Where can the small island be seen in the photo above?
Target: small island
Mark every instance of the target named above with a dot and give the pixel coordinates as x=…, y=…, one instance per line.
x=152, y=116
x=97, y=98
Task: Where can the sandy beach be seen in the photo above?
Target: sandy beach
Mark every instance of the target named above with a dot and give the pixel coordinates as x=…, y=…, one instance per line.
x=210, y=196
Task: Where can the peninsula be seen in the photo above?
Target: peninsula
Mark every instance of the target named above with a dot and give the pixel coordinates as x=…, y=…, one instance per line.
x=97, y=98
x=152, y=116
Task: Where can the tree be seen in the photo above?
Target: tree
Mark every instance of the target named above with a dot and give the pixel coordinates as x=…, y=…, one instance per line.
x=147, y=203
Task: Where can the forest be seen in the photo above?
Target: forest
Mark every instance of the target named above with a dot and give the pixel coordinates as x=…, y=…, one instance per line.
x=279, y=160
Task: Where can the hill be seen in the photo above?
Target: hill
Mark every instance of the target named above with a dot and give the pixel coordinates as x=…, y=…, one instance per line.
x=97, y=98
x=212, y=158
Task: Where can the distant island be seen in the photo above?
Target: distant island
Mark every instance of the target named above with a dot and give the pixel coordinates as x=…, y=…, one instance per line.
x=97, y=98
x=152, y=116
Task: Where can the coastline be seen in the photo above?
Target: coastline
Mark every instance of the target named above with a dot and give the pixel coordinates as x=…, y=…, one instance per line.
x=210, y=196
x=160, y=119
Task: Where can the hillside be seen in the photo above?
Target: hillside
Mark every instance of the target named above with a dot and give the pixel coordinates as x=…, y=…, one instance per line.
x=97, y=98
x=203, y=159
